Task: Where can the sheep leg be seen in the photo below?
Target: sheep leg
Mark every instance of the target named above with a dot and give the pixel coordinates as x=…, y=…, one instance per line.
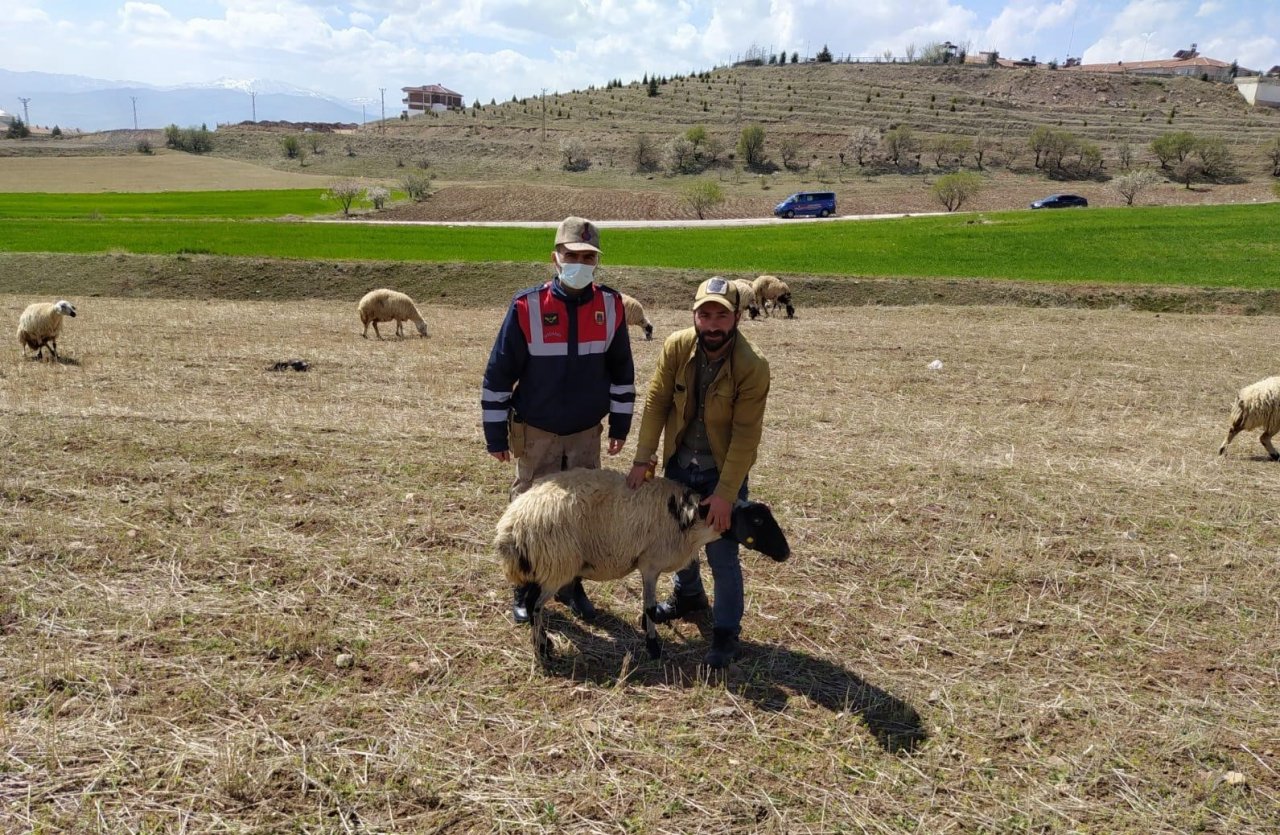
x=1266, y=442
x=376, y=332
x=536, y=598
x=651, y=642
x=365, y=334
x=400, y=328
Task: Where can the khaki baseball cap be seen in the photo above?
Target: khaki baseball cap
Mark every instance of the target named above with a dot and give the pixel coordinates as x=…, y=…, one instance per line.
x=578, y=235
x=722, y=291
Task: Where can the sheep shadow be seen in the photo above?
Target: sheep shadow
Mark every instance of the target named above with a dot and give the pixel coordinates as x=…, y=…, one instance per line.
x=58, y=360
x=611, y=652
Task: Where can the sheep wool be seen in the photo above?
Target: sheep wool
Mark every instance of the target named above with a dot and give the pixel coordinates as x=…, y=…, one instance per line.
x=1257, y=407
x=770, y=291
x=386, y=306
x=746, y=295
x=40, y=324
x=589, y=524
x=635, y=315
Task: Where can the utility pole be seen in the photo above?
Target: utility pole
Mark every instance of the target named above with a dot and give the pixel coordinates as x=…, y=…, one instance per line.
x=26, y=120
x=544, y=114
x=134, y=99
x=382, y=93
x=253, y=99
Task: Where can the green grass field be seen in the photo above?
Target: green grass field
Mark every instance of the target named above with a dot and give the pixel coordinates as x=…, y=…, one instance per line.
x=1216, y=246
x=167, y=204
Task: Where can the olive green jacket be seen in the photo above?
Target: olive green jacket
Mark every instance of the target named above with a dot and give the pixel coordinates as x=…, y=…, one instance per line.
x=733, y=413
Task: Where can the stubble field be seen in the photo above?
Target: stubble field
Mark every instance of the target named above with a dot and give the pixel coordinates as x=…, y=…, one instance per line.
x=1026, y=595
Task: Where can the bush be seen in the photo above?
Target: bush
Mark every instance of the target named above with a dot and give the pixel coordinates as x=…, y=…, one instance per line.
x=751, y=146
x=702, y=196
x=17, y=130
x=416, y=186
x=377, y=195
x=192, y=140
x=144, y=146
x=292, y=147
x=952, y=190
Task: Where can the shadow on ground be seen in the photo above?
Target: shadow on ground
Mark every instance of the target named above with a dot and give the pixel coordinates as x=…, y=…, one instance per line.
x=611, y=651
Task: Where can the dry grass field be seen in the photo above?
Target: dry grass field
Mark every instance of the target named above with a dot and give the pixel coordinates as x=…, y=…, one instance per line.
x=1026, y=594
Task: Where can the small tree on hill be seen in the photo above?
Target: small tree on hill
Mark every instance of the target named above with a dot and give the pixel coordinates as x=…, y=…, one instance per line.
x=824, y=56
x=653, y=87
x=17, y=130
x=751, y=146
x=952, y=190
x=377, y=195
x=573, y=154
x=862, y=142
x=644, y=153
x=702, y=196
x=898, y=142
x=416, y=186
x=345, y=192
x=1173, y=148
x=292, y=147
x=1130, y=184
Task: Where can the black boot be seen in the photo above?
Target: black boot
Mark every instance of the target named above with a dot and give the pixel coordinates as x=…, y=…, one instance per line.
x=680, y=605
x=724, y=649
x=575, y=597
x=519, y=606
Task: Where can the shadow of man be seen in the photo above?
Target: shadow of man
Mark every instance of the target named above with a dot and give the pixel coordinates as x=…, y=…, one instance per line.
x=767, y=675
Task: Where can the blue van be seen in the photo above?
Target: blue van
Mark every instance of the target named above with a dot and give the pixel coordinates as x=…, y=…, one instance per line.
x=819, y=203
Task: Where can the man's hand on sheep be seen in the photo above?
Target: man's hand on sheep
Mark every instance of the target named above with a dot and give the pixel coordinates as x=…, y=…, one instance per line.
x=640, y=473
x=503, y=456
x=616, y=444
x=719, y=513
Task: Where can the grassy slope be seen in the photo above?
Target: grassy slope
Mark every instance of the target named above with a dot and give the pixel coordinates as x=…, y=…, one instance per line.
x=1209, y=246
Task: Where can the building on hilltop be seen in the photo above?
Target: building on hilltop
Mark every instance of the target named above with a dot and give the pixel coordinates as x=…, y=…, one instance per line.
x=432, y=97
x=1185, y=62
x=6, y=120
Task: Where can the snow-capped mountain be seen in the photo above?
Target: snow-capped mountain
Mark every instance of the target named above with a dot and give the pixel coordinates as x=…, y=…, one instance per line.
x=92, y=104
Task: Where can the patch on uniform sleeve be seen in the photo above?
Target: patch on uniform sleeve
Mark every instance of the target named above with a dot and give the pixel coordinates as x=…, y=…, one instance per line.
x=599, y=317
x=551, y=318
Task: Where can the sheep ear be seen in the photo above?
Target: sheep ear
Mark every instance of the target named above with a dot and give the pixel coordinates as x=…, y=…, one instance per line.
x=685, y=511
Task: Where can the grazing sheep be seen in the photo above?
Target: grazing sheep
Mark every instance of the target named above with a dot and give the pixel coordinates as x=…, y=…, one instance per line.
x=770, y=291
x=746, y=296
x=40, y=324
x=635, y=315
x=1257, y=407
x=387, y=305
x=589, y=524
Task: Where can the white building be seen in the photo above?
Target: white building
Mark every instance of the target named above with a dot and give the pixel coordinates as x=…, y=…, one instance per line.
x=6, y=119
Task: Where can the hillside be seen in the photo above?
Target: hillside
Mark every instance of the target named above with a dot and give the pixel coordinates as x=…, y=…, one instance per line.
x=503, y=161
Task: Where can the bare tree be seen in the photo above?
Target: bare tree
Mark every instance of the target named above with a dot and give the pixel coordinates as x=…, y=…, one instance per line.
x=789, y=149
x=751, y=146
x=644, y=153
x=573, y=154
x=1132, y=183
x=681, y=156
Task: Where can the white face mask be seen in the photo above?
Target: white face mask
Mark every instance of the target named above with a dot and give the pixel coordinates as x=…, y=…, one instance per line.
x=576, y=276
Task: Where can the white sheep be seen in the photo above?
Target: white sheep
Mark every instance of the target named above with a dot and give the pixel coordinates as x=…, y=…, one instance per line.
x=636, y=317
x=770, y=291
x=387, y=305
x=746, y=295
x=1257, y=407
x=40, y=324
x=589, y=524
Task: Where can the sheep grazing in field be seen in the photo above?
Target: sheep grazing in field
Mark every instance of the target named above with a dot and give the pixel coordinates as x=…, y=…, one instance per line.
x=636, y=317
x=746, y=296
x=771, y=291
x=389, y=305
x=1257, y=407
x=40, y=324
x=589, y=524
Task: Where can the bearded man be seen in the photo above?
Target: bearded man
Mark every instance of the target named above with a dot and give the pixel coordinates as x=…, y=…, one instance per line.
x=706, y=401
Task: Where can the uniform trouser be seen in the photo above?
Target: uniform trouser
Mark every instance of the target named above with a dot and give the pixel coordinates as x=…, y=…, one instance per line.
x=722, y=556
x=546, y=453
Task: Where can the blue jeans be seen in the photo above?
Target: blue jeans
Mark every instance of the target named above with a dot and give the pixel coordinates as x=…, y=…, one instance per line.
x=722, y=556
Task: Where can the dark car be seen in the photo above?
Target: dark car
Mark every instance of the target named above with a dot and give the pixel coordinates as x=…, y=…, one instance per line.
x=1060, y=201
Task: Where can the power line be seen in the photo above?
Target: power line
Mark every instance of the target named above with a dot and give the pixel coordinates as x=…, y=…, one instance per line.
x=134, y=99
x=26, y=120
x=253, y=98
x=382, y=94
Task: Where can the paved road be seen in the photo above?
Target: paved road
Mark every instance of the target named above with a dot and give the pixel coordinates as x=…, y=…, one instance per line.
x=633, y=224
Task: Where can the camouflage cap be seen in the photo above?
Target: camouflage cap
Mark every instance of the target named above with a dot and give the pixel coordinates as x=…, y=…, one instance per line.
x=578, y=235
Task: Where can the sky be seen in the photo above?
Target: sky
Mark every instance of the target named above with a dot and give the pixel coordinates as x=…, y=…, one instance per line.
x=494, y=49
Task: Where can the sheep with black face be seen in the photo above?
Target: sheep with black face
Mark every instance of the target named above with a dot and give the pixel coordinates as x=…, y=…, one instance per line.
x=589, y=524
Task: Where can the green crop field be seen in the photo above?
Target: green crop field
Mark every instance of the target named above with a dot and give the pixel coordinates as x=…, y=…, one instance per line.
x=1218, y=246
x=168, y=204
